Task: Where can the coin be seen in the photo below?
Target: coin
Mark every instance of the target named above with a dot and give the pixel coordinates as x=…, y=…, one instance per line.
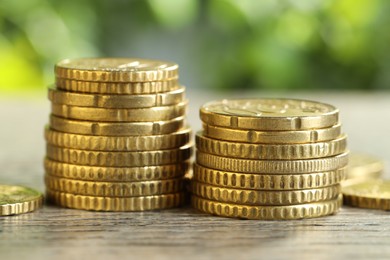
x=372, y=194
x=17, y=200
x=119, y=159
x=269, y=114
x=268, y=181
x=121, y=114
x=117, y=88
x=114, y=189
x=272, y=166
x=271, y=151
x=363, y=166
x=116, y=101
x=118, y=143
x=115, y=128
x=265, y=198
x=115, y=174
x=272, y=137
x=301, y=211
x=116, y=203
x=116, y=69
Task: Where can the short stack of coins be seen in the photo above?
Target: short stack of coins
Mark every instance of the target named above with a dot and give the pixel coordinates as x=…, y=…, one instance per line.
x=269, y=159
x=117, y=139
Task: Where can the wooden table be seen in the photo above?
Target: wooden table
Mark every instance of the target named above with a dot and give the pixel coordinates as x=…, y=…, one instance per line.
x=56, y=233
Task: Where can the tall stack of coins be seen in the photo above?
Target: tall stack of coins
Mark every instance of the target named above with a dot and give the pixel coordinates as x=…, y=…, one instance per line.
x=269, y=159
x=117, y=139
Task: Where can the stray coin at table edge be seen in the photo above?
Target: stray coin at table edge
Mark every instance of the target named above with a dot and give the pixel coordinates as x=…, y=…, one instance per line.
x=149, y=114
x=117, y=88
x=118, y=143
x=267, y=181
x=309, y=210
x=372, y=194
x=116, y=128
x=17, y=200
x=264, y=197
x=95, y=203
x=116, y=69
x=269, y=114
x=271, y=151
x=116, y=101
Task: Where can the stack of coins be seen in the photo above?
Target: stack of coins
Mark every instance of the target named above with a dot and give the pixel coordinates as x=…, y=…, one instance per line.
x=117, y=139
x=269, y=159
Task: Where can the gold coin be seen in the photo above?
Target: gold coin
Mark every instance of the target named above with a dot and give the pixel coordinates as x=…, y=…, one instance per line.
x=268, y=182
x=117, y=88
x=114, y=189
x=272, y=166
x=94, y=203
x=121, y=114
x=264, y=198
x=116, y=69
x=271, y=151
x=269, y=114
x=17, y=200
x=115, y=128
x=119, y=159
x=117, y=101
x=362, y=166
x=115, y=174
x=371, y=194
x=118, y=143
x=310, y=210
x=272, y=137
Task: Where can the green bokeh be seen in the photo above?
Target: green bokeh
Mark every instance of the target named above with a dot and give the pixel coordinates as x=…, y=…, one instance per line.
x=220, y=44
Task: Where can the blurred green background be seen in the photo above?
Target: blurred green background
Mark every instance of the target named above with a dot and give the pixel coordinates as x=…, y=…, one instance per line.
x=220, y=44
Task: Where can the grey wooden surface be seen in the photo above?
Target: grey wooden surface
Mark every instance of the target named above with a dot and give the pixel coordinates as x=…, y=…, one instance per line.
x=56, y=233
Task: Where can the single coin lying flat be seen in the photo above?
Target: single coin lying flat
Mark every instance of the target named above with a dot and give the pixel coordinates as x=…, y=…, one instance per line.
x=372, y=194
x=17, y=200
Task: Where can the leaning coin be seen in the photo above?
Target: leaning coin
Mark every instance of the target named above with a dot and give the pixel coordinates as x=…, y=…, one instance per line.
x=117, y=88
x=115, y=174
x=262, y=197
x=149, y=114
x=116, y=128
x=272, y=166
x=272, y=137
x=268, y=181
x=372, y=194
x=116, y=203
x=118, y=143
x=363, y=166
x=114, y=189
x=17, y=200
x=116, y=69
x=310, y=210
x=119, y=159
x=269, y=114
x=116, y=101
x=271, y=151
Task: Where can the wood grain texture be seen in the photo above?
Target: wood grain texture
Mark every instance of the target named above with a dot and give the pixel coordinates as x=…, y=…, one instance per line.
x=57, y=233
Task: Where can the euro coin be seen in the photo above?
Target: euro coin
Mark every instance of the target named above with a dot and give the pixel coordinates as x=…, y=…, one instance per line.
x=17, y=200
x=269, y=114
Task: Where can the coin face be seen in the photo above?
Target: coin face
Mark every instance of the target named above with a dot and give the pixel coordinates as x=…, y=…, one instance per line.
x=378, y=189
x=17, y=199
x=116, y=70
x=116, y=64
x=268, y=108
